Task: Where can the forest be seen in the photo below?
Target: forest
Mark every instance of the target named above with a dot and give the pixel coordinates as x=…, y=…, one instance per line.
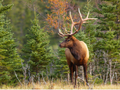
x=29, y=42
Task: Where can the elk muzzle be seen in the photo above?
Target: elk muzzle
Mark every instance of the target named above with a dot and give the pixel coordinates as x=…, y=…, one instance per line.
x=62, y=45
x=59, y=45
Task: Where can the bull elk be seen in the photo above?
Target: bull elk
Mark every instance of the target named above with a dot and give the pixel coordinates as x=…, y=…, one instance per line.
x=77, y=53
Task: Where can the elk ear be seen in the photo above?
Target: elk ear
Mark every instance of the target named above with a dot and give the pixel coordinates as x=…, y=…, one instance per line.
x=75, y=54
x=69, y=36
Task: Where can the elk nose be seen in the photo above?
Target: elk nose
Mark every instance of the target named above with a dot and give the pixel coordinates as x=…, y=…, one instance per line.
x=59, y=45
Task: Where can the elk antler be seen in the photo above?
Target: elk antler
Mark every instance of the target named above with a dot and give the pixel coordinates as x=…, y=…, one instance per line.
x=75, y=23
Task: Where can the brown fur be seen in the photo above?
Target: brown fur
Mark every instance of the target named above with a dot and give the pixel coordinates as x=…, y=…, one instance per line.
x=76, y=54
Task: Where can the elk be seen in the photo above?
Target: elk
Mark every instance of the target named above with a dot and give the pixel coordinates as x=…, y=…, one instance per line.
x=77, y=53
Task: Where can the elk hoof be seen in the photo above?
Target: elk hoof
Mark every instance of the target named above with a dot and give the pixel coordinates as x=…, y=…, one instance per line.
x=72, y=83
x=88, y=85
x=75, y=86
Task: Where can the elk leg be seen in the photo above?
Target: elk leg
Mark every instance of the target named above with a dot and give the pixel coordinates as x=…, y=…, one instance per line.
x=71, y=72
x=85, y=73
x=76, y=74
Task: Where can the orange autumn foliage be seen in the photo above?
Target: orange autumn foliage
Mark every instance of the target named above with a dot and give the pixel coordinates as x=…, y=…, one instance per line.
x=59, y=13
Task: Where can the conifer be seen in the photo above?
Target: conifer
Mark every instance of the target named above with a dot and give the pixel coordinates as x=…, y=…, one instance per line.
x=36, y=51
x=9, y=58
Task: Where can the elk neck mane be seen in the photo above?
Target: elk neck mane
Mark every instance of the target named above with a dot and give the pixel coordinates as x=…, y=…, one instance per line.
x=79, y=49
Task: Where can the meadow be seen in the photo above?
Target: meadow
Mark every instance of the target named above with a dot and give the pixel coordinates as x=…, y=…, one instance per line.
x=60, y=85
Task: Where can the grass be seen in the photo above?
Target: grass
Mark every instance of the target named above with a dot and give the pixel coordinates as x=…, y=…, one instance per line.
x=59, y=85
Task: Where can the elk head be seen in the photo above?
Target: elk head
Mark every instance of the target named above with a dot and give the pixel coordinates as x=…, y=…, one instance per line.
x=69, y=41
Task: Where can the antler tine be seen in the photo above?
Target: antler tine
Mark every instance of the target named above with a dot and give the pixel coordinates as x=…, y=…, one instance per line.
x=60, y=33
x=66, y=31
x=80, y=22
x=89, y=18
x=72, y=23
x=87, y=15
x=71, y=16
x=80, y=13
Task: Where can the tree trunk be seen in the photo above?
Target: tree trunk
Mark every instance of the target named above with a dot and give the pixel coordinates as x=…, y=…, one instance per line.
x=110, y=68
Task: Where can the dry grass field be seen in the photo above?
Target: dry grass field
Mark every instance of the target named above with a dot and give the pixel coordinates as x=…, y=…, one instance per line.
x=59, y=85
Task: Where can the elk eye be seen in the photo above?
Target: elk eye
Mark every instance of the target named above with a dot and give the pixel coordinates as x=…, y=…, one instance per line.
x=68, y=40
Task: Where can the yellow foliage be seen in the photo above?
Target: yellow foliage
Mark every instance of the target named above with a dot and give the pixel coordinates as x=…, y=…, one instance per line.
x=59, y=13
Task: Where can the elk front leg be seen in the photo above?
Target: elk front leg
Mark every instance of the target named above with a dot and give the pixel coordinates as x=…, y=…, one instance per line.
x=71, y=72
x=76, y=74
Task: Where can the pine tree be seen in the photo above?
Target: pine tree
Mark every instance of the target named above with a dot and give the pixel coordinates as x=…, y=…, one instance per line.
x=36, y=50
x=89, y=31
x=9, y=59
x=61, y=65
x=107, y=46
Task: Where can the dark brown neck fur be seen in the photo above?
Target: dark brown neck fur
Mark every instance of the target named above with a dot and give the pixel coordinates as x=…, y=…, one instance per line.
x=75, y=49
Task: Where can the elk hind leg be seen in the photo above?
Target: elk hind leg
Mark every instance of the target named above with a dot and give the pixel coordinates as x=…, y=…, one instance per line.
x=85, y=73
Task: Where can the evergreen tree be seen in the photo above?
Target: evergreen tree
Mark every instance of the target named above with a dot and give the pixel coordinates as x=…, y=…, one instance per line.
x=89, y=34
x=116, y=4
x=61, y=65
x=9, y=59
x=36, y=50
x=107, y=46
